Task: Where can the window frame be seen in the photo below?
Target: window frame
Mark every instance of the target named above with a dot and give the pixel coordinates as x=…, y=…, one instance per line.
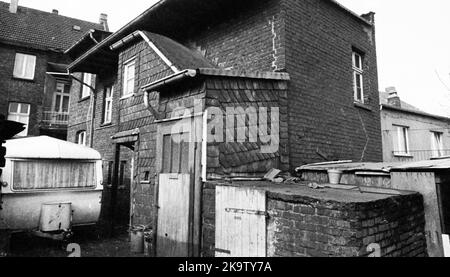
x=79, y=133
x=18, y=114
x=108, y=110
x=62, y=94
x=402, y=134
x=23, y=68
x=358, y=73
x=437, y=146
x=85, y=88
x=125, y=80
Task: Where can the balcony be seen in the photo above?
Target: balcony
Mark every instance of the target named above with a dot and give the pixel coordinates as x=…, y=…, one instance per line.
x=420, y=155
x=55, y=118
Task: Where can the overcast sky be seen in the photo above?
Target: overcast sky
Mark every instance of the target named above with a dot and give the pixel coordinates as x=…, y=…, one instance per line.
x=413, y=40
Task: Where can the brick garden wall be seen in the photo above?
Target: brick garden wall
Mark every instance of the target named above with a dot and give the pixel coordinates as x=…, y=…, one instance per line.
x=306, y=227
x=314, y=228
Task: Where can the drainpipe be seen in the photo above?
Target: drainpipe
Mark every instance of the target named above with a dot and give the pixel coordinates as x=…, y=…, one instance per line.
x=92, y=102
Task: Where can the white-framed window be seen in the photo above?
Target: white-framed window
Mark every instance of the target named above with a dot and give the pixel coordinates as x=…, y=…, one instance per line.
x=107, y=104
x=358, y=80
x=81, y=138
x=128, y=78
x=437, y=144
x=20, y=112
x=85, y=90
x=24, y=66
x=61, y=98
x=402, y=141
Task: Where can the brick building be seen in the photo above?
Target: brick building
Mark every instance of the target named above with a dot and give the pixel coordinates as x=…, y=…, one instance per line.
x=311, y=64
x=34, y=85
x=409, y=134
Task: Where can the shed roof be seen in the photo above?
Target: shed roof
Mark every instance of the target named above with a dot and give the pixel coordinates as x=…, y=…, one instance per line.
x=348, y=166
x=44, y=147
x=41, y=30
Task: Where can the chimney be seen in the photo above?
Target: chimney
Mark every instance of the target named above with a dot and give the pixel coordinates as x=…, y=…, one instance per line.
x=13, y=6
x=104, y=21
x=370, y=16
x=393, y=98
x=55, y=11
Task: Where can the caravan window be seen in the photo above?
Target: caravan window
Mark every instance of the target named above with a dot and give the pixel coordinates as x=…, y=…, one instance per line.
x=53, y=174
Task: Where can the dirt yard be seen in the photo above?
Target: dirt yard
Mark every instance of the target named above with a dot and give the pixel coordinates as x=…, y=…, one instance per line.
x=91, y=244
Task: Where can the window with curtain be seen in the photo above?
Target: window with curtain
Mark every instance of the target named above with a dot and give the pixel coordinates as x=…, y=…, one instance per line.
x=402, y=141
x=81, y=138
x=437, y=144
x=53, y=174
x=24, y=66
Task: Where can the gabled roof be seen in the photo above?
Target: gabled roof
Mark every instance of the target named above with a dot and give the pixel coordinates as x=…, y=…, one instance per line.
x=48, y=148
x=181, y=56
x=407, y=108
x=172, y=17
x=41, y=30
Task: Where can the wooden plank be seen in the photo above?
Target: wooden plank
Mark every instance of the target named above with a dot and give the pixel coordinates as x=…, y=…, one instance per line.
x=240, y=222
x=173, y=215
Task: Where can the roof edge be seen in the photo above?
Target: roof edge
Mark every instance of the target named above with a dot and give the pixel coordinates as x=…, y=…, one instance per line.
x=390, y=107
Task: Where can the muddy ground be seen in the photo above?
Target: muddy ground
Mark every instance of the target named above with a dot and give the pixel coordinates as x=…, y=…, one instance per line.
x=91, y=242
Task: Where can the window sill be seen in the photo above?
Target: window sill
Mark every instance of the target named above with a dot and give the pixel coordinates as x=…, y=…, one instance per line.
x=403, y=156
x=24, y=79
x=127, y=96
x=106, y=124
x=362, y=106
x=83, y=99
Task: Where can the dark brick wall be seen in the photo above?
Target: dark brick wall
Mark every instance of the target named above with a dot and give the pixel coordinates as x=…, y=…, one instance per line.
x=250, y=39
x=32, y=92
x=322, y=115
x=314, y=228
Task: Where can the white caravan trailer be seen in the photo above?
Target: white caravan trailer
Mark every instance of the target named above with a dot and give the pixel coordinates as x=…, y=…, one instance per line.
x=49, y=185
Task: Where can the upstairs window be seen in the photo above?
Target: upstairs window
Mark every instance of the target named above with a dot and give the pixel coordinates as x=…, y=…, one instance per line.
x=107, y=105
x=85, y=90
x=437, y=145
x=402, y=141
x=81, y=138
x=128, y=78
x=24, y=66
x=358, y=80
x=20, y=112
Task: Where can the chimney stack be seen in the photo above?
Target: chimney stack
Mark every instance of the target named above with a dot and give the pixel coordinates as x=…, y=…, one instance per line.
x=55, y=11
x=104, y=21
x=393, y=98
x=13, y=6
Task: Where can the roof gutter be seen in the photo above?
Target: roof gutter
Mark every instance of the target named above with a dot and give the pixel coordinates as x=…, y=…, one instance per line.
x=118, y=33
x=179, y=76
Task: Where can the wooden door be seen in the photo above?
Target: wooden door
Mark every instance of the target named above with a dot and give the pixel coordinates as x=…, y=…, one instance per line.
x=240, y=222
x=174, y=224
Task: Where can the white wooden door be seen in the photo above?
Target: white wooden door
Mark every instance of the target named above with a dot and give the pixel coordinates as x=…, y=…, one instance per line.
x=173, y=215
x=174, y=224
x=240, y=222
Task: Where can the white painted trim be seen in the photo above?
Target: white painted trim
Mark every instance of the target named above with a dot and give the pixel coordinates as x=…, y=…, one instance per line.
x=159, y=53
x=204, y=145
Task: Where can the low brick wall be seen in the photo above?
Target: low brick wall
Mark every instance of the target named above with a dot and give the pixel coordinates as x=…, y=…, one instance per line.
x=307, y=227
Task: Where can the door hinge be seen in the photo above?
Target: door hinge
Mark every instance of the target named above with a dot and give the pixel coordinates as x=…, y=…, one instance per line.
x=245, y=211
x=222, y=251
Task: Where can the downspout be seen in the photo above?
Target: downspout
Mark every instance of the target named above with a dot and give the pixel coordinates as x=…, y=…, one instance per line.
x=93, y=103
